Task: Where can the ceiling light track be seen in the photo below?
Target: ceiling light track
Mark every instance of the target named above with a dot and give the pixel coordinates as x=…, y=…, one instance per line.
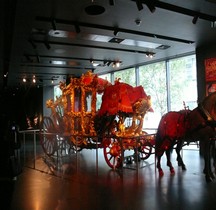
x=180, y=10
x=56, y=67
x=110, y=28
x=93, y=46
x=59, y=57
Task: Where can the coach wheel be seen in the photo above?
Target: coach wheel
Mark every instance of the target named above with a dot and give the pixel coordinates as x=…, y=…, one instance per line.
x=145, y=151
x=112, y=152
x=48, y=138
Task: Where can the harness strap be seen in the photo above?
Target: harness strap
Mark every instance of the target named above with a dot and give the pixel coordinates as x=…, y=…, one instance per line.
x=206, y=114
x=209, y=119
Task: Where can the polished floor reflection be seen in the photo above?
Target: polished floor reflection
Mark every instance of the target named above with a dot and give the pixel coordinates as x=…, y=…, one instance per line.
x=83, y=181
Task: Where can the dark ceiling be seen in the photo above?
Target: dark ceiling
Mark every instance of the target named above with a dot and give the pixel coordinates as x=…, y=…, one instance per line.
x=36, y=35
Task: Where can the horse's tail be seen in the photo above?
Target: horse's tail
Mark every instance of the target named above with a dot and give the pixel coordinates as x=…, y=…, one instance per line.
x=158, y=142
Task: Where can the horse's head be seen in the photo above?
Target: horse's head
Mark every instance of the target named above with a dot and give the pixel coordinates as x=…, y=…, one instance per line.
x=209, y=106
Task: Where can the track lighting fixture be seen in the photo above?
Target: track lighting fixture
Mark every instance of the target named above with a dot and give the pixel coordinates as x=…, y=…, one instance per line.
x=112, y=2
x=139, y=5
x=33, y=44
x=115, y=32
x=108, y=63
x=149, y=55
x=46, y=43
x=116, y=64
x=77, y=28
x=54, y=24
x=150, y=5
x=38, y=58
x=213, y=24
x=34, y=79
x=195, y=18
x=6, y=74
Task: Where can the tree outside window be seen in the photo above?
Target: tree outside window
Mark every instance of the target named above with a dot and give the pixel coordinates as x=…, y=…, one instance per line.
x=183, y=83
x=127, y=76
x=153, y=79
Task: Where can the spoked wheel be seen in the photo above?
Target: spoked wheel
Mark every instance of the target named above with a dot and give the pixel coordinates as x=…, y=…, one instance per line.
x=48, y=136
x=112, y=152
x=145, y=150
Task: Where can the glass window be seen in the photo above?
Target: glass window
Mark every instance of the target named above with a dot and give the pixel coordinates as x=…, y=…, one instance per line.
x=153, y=79
x=183, y=83
x=105, y=76
x=127, y=76
x=99, y=96
x=57, y=92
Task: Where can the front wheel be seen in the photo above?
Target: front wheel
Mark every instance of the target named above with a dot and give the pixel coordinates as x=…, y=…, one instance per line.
x=112, y=152
x=145, y=150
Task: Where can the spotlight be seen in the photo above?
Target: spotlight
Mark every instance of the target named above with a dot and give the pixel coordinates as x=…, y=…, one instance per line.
x=6, y=74
x=139, y=5
x=117, y=64
x=149, y=55
x=34, y=79
x=24, y=79
x=195, y=18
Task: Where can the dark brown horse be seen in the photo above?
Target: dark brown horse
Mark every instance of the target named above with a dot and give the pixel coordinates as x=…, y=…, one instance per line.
x=176, y=128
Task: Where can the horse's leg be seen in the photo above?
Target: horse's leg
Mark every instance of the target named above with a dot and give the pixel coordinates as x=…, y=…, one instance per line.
x=168, y=154
x=179, y=158
x=207, y=161
x=160, y=170
x=214, y=155
x=212, y=158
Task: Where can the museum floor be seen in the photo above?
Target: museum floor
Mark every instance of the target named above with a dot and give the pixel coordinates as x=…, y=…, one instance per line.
x=84, y=181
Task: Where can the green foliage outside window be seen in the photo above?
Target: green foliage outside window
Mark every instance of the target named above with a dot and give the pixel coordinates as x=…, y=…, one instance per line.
x=127, y=76
x=183, y=83
x=153, y=79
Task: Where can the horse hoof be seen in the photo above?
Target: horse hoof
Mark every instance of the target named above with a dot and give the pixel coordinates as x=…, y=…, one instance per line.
x=208, y=179
x=212, y=176
x=172, y=171
x=184, y=168
x=161, y=173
